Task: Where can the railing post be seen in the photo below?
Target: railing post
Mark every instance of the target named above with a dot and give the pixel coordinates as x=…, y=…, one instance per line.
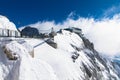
x=2, y=32
x=8, y=32
x=16, y=34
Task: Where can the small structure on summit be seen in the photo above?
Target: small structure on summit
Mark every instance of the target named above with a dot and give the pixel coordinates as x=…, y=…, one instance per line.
x=74, y=29
x=51, y=40
x=52, y=34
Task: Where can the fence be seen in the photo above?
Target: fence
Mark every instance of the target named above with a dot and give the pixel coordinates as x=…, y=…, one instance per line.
x=9, y=33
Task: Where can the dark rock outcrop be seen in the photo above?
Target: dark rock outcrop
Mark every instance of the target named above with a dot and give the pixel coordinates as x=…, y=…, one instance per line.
x=30, y=32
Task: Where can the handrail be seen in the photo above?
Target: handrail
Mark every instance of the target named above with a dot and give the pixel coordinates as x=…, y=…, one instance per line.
x=9, y=33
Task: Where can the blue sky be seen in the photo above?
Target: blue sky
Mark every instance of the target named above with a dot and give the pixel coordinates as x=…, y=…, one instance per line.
x=24, y=12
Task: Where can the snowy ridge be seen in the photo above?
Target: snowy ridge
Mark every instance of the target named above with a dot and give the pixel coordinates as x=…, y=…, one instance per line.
x=6, y=24
x=74, y=59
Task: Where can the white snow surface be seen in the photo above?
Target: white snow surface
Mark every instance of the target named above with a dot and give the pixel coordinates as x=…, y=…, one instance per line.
x=25, y=67
x=48, y=63
x=6, y=24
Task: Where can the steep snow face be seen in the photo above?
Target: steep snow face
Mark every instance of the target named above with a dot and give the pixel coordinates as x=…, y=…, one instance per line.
x=60, y=61
x=6, y=24
x=74, y=59
x=68, y=41
x=94, y=66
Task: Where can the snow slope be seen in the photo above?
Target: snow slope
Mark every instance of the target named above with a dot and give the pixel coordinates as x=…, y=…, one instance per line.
x=6, y=24
x=74, y=59
x=88, y=66
x=25, y=67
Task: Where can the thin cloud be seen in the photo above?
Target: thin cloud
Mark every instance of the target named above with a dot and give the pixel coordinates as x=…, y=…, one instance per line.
x=104, y=33
x=72, y=15
x=110, y=12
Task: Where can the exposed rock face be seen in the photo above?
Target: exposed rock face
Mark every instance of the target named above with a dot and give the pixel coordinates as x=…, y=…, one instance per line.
x=98, y=67
x=88, y=44
x=12, y=55
x=9, y=54
x=30, y=32
x=97, y=72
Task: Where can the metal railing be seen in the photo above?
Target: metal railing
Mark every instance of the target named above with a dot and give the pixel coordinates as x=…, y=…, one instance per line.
x=9, y=33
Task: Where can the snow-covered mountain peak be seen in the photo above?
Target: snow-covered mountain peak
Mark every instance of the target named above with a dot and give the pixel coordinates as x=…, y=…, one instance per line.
x=72, y=58
x=66, y=40
x=4, y=18
x=5, y=23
